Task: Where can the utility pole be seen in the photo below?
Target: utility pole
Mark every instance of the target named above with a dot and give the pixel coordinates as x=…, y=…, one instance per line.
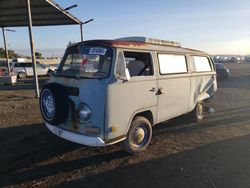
x=6, y=51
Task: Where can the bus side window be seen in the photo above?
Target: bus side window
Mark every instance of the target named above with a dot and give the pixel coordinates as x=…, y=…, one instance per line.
x=202, y=64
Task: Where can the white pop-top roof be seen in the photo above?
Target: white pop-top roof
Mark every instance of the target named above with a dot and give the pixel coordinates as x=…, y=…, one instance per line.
x=151, y=41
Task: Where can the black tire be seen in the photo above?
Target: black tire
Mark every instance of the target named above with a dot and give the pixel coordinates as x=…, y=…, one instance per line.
x=54, y=104
x=22, y=75
x=139, y=135
x=198, y=113
x=50, y=72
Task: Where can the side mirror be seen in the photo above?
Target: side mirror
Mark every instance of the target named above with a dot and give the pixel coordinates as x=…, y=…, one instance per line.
x=121, y=71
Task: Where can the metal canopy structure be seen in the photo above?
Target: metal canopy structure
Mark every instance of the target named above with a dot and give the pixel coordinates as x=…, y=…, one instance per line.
x=13, y=13
x=28, y=13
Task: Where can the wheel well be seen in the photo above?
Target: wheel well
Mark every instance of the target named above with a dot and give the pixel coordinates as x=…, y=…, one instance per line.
x=147, y=114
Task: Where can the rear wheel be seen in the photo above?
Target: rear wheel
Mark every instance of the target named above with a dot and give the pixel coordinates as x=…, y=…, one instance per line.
x=198, y=113
x=139, y=135
x=22, y=75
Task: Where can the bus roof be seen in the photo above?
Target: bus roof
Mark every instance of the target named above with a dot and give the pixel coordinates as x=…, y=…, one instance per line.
x=143, y=44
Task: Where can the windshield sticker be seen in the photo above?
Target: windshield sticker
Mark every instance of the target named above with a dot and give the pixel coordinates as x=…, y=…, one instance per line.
x=84, y=61
x=97, y=51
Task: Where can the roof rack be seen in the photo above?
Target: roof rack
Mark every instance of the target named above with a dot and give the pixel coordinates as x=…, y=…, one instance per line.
x=151, y=41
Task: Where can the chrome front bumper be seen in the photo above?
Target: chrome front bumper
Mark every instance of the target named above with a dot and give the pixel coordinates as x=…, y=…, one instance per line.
x=76, y=137
x=79, y=138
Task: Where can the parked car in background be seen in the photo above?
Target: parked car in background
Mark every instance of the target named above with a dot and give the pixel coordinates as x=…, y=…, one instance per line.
x=3, y=63
x=222, y=72
x=3, y=68
x=51, y=67
x=24, y=70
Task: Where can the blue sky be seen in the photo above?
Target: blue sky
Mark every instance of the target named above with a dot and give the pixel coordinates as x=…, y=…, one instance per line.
x=218, y=27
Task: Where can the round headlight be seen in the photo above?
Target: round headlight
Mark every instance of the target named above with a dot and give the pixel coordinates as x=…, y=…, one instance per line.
x=84, y=112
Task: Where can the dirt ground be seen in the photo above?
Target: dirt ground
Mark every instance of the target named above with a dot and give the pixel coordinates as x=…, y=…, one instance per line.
x=212, y=153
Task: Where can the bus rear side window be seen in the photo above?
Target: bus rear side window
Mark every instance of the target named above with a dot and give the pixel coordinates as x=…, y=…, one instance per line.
x=202, y=64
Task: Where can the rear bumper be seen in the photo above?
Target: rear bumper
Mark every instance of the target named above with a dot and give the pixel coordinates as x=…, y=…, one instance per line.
x=79, y=138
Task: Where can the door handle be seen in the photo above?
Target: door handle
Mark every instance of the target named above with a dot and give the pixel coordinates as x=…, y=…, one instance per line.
x=153, y=89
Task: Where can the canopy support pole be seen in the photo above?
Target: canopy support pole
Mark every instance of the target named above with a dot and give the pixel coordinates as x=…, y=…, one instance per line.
x=32, y=49
x=81, y=29
x=6, y=51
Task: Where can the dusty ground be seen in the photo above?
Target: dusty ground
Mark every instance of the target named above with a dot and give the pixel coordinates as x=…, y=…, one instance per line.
x=213, y=153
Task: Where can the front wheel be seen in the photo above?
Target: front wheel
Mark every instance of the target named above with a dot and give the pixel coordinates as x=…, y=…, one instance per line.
x=139, y=135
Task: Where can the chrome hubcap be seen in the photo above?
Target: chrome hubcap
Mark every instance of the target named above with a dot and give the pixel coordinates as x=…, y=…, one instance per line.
x=139, y=136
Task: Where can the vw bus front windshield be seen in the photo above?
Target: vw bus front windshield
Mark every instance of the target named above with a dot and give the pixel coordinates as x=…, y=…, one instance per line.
x=86, y=62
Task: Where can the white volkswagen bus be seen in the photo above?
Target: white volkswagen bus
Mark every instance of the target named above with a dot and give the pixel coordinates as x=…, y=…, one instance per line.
x=110, y=91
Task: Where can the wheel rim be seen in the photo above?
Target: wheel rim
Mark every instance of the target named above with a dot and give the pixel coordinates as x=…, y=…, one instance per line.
x=139, y=136
x=21, y=75
x=48, y=104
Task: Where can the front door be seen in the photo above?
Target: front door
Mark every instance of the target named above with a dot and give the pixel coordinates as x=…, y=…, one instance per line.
x=129, y=97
